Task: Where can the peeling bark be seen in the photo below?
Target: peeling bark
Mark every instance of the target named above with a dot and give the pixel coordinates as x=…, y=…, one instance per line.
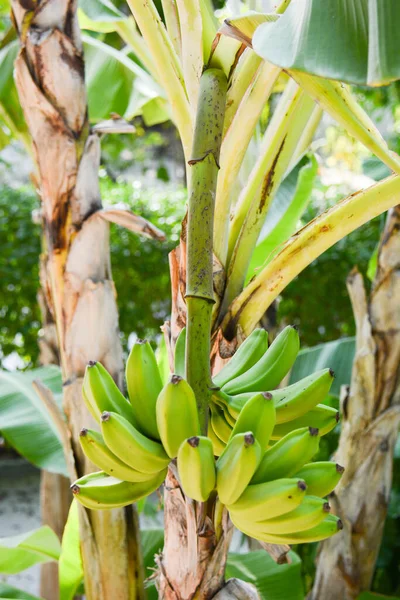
x=370, y=423
x=49, y=74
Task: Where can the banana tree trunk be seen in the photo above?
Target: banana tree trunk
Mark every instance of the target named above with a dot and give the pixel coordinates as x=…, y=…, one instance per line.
x=49, y=73
x=370, y=423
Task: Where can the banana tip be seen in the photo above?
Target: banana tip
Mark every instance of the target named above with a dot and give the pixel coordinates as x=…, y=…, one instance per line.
x=295, y=327
x=92, y=363
x=175, y=379
x=332, y=373
x=83, y=432
x=75, y=489
x=339, y=468
x=313, y=431
x=337, y=417
x=193, y=441
x=302, y=485
x=339, y=525
x=326, y=507
x=267, y=395
x=249, y=439
x=105, y=416
x=140, y=342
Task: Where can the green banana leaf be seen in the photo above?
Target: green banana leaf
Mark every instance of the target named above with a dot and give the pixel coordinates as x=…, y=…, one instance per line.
x=24, y=421
x=70, y=569
x=20, y=552
x=337, y=355
x=286, y=209
x=99, y=15
x=273, y=582
x=115, y=83
x=10, y=109
x=355, y=42
x=7, y=592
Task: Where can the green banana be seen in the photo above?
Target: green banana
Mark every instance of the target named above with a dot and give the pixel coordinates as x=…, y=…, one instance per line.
x=288, y=455
x=258, y=416
x=269, y=371
x=100, y=491
x=245, y=357
x=177, y=417
x=180, y=350
x=321, y=477
x=217, y=444
x=228, y=417
x=270, y=499
x=98, y=452
x=325, y=529
x=196, y=468
x=322, y=417
x=221, y=427
x=299, y=398
x=144, y=383
x=131, y=446
x=100, y=393
x=309, y=513
x=233, y=404
x=236, y=466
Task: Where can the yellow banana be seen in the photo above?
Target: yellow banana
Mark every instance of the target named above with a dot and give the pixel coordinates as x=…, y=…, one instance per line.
x=98, y=452
x=268, y=500
x=131, y=446
x=309, y=513
x=321, y=477
x=322, y=417
x=327, y=528
x=236, y=466
x=100, y=393
x=297, y=399
x=144, y=383
x=245, y=357
x=258, y=416
x=180, y=350
x=100, y=491
x=221, y=427
x=177, y=417
x=269, y=371
x=288, y=455
x=217, y=444
x=196, y=468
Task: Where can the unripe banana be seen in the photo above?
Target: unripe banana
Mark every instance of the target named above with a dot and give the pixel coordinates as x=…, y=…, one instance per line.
x=228, y=417
x=326, y=529
x=131, y=446
x=269, y=371
x=98, y=452
x=217, y=444
x=299, y=398
x=258, y=416
x=221, y=427
x=288, y=455
x=196, y=468
x=270, y=499
x=245, y=357
x=180, y=351
x=321, y=477
x=236, y=466
x=233, y=404
x=177, y=417
x=100, y=393
x=100, y=491
x=322, y=417
x=310, y=513
x=144, y=383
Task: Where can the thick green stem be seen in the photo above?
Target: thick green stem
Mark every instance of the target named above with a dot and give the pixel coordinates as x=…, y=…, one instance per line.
x=199, y=284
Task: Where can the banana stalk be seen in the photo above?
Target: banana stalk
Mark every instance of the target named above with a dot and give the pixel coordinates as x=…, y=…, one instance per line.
x=304, y=247
x=169, y=71
x=280, y=144
x=235, y=144
x=199, y=286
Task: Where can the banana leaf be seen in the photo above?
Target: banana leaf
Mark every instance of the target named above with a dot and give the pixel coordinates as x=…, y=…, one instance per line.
x=7, y=592
x=273, y=582
x=25, y=423
x=349, y=41
x=20, y=552
x=10, y=109
x=286, y=209
x=337, y=355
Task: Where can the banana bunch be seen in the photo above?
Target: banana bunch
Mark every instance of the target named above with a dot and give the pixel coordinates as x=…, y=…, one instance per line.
x=255, y=369
x=138, y=437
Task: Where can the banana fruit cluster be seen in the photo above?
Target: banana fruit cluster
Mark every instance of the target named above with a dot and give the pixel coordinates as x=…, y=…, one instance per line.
x=256, y=457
